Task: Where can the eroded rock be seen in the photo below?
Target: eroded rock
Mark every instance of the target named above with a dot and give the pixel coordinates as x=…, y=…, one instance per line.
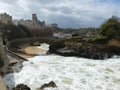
x=48, y=85
x=84, y=49
x=21, y=87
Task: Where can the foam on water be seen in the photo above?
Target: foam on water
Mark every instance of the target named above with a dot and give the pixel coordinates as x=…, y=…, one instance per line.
x=69, y=73
x=44, y=46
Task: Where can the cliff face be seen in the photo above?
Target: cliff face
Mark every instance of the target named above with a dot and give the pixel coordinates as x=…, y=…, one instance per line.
x=84, y=49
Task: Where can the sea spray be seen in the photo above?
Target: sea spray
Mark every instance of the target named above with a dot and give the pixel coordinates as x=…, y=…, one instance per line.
x=69, y=73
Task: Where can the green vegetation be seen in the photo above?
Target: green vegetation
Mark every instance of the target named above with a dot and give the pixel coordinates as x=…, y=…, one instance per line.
x=79, y=31
x=76, y=37
x=111, y=29
x=108, y=31
x=11, y=31
x=98, y=40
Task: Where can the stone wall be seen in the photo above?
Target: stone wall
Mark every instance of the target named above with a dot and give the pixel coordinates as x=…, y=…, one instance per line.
x=2, y=84
x=1, y=51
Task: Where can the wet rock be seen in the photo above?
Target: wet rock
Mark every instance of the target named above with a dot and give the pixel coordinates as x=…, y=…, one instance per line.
x=84, y=49
x=12, y=64
x=47, y=85
x=7, y=69
x=21, y=87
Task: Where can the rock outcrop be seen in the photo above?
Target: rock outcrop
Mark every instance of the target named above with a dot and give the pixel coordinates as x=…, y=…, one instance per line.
x=21, y=87
x=48, y=85
x=84, y=49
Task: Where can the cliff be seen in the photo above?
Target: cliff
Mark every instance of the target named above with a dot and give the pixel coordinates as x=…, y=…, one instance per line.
x=82, y=48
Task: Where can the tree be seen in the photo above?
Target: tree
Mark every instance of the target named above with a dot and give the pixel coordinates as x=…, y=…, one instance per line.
x=14, y=31
x=40, y=32
x=111, y=29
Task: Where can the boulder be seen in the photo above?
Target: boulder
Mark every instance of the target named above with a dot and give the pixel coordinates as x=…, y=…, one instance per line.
x=21, y=87
x=47, y=85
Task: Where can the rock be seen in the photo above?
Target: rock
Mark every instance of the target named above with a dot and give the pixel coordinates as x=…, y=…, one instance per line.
x=7, y=69
x=84, y=49
x=47, y=85
x=21, y=87
x=12, y=64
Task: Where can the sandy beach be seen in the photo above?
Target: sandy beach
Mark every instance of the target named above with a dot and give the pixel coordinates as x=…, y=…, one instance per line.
x=31, y=51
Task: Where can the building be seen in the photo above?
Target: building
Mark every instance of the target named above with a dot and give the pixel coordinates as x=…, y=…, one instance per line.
x=5, y=18
x=54, y=25
x=61, y=35
x=34, y=23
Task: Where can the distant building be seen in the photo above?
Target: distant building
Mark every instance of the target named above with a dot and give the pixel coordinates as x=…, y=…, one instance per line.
x=34, y=23
x=92, y=33
x=5, y=18
x=54, y=25
x=62, y=35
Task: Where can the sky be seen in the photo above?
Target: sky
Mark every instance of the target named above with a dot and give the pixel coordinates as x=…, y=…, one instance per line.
x=66, y=13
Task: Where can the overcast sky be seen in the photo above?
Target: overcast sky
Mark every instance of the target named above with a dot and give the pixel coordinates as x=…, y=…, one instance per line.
x=66, y=13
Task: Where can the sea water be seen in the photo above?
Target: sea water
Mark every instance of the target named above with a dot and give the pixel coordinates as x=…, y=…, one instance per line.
x=68, y=73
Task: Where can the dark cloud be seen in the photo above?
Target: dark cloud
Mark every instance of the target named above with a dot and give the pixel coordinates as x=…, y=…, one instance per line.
x=67, y=13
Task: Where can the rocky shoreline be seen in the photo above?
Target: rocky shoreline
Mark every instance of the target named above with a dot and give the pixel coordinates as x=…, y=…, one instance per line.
x=80, y=48
x=14, y=64
x=51, y=84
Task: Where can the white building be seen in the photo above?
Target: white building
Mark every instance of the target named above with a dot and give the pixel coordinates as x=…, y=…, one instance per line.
x=62, y=35
x=5, y=18
x=34, y=23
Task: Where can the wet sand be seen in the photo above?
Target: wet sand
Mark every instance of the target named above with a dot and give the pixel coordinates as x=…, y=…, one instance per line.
x=31, y=51
x=2, y=84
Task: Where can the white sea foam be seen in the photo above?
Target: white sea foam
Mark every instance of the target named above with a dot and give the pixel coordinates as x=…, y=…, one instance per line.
x=69, y=73
x=44, y=46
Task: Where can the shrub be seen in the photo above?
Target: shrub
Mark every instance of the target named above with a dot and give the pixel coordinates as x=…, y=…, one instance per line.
x=98, y=40
x=111, y=29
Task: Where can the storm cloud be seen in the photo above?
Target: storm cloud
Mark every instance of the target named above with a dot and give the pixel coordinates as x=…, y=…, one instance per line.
x=66, y=13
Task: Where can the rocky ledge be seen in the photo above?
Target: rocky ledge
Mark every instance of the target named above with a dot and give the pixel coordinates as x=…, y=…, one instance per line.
x=21, y=87
x=80, y=48
x=25, y=87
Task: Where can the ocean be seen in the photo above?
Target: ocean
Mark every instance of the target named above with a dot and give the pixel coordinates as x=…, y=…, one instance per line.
x=68, y=73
